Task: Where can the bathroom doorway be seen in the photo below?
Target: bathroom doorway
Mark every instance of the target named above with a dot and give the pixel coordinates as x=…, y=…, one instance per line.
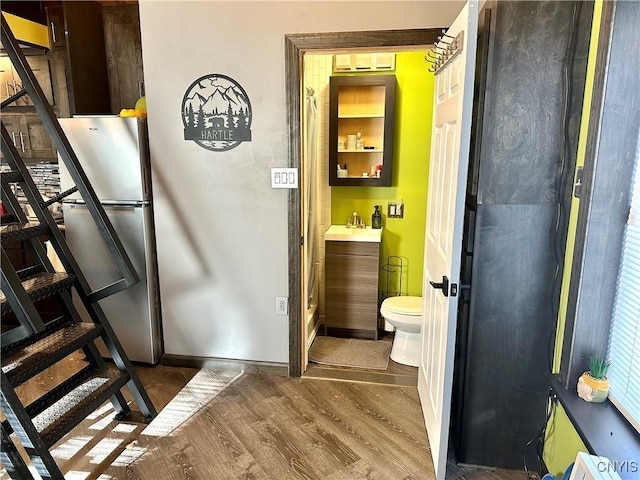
x=310, y=206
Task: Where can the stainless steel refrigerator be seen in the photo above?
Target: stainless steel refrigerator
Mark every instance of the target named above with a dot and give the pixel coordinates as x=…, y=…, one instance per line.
x=113, y=152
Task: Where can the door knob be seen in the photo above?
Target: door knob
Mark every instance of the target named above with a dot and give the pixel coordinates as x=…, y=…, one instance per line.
x=444, y=285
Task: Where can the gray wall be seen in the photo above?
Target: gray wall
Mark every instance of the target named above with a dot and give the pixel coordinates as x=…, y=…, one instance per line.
x=221, y=229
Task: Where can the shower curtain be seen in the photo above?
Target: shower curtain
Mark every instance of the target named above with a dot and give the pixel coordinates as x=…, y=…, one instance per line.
x=310, y=159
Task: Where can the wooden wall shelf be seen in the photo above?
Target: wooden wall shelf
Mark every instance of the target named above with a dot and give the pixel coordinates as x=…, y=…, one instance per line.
x=364, y=104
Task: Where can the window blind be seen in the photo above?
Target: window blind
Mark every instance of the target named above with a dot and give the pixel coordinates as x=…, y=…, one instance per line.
x=624, y=338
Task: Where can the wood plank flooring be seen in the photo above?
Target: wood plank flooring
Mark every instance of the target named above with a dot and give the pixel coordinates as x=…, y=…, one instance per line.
x=226, y=425
x=264, y=426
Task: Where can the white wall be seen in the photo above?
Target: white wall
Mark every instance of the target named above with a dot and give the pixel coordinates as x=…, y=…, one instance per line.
x=221, y=229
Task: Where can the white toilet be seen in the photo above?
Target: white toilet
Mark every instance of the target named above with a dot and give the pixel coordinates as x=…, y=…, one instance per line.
x=404, y=313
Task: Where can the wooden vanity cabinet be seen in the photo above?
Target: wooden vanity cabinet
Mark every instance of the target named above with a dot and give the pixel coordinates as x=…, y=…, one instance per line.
x=363, y=104
x=351, y=288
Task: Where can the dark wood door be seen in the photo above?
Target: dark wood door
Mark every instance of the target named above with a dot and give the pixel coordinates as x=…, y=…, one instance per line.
x=124, y=54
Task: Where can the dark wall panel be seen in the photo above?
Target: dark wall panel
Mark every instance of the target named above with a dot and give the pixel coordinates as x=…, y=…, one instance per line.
x=523, y=143
x=510, y=327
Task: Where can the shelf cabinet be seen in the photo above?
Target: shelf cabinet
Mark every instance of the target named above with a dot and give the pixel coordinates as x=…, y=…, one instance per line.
x=351, y=288
x=361, y=124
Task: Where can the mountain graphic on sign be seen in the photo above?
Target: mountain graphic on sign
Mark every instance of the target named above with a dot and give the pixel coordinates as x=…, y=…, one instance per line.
x=195, y=101
x=236, y=96
x=215, y=98
x=217, y=103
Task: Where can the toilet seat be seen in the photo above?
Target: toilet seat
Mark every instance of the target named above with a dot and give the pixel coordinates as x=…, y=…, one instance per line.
x=407, y=305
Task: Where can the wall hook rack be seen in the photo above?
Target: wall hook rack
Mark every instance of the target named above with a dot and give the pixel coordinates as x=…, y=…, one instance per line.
x=443, y=56
x=444, y=34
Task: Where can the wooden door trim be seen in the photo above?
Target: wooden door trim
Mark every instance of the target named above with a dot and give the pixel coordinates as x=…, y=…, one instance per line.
x=295, y=46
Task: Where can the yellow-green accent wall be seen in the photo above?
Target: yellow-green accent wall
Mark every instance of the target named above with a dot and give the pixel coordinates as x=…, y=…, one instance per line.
x=562, y=442
x=412, y=138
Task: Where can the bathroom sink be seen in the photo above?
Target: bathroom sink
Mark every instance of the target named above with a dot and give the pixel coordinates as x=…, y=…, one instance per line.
x=344, y=234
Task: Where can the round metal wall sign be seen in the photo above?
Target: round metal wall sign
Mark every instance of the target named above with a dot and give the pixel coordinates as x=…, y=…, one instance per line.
x=216, y=113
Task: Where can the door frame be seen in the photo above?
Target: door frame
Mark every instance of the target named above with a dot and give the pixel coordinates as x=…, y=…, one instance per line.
x=295, y=46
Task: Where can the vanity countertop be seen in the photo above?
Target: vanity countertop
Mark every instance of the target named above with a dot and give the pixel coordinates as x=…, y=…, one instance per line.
x=343, y=234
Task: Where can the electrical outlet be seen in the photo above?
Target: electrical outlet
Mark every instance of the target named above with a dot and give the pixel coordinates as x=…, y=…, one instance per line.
x=282, y=305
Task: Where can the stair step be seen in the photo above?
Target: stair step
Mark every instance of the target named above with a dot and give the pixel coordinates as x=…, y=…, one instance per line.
x=41, y=286
x=11, y=176
x=28, y=340
x=16, y=232
x=57, y=420
x=24, y=362
x=8, y=218
x=29, y=272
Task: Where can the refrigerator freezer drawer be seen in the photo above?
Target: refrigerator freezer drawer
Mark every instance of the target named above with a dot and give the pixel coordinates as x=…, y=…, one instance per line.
x=133, y=313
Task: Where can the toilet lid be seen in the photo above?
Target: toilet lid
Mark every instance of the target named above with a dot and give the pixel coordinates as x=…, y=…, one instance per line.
x=404, y=305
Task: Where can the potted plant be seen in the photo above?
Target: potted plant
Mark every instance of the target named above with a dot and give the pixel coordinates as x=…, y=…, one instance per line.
x=593, y=385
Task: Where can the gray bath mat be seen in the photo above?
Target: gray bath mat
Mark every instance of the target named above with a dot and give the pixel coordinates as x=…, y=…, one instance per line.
x=350, y=352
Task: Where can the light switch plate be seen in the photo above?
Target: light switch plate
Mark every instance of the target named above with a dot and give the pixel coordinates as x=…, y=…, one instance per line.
x=284, y=178
x=395, y=210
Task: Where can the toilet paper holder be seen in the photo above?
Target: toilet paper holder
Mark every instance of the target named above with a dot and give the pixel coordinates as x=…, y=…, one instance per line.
x=394, y=265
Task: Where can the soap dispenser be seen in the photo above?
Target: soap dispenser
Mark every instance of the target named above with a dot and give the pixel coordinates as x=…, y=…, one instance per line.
x=376, y=218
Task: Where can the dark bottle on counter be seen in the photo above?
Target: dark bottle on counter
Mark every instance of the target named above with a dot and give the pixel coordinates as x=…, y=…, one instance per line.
x=376, y=218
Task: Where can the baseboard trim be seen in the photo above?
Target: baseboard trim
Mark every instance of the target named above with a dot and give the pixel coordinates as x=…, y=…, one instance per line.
x=212, y=363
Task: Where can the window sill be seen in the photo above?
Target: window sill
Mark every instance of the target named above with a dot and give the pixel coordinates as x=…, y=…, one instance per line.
x=602, y=428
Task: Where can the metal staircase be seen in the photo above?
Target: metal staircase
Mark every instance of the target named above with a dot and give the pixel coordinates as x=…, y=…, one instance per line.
x=39, y=341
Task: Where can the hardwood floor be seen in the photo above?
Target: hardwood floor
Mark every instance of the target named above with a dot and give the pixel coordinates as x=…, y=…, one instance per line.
x=224, y=425
x=263, y=426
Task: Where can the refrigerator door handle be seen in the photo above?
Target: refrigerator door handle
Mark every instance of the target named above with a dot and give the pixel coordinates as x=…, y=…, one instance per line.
x=145, y=182
x=105, y=206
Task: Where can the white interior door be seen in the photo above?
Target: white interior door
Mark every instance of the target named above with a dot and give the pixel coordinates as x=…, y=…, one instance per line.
x=445, y=211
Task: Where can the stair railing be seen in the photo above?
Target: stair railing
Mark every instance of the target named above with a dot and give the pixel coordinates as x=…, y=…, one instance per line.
x=68, y=156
